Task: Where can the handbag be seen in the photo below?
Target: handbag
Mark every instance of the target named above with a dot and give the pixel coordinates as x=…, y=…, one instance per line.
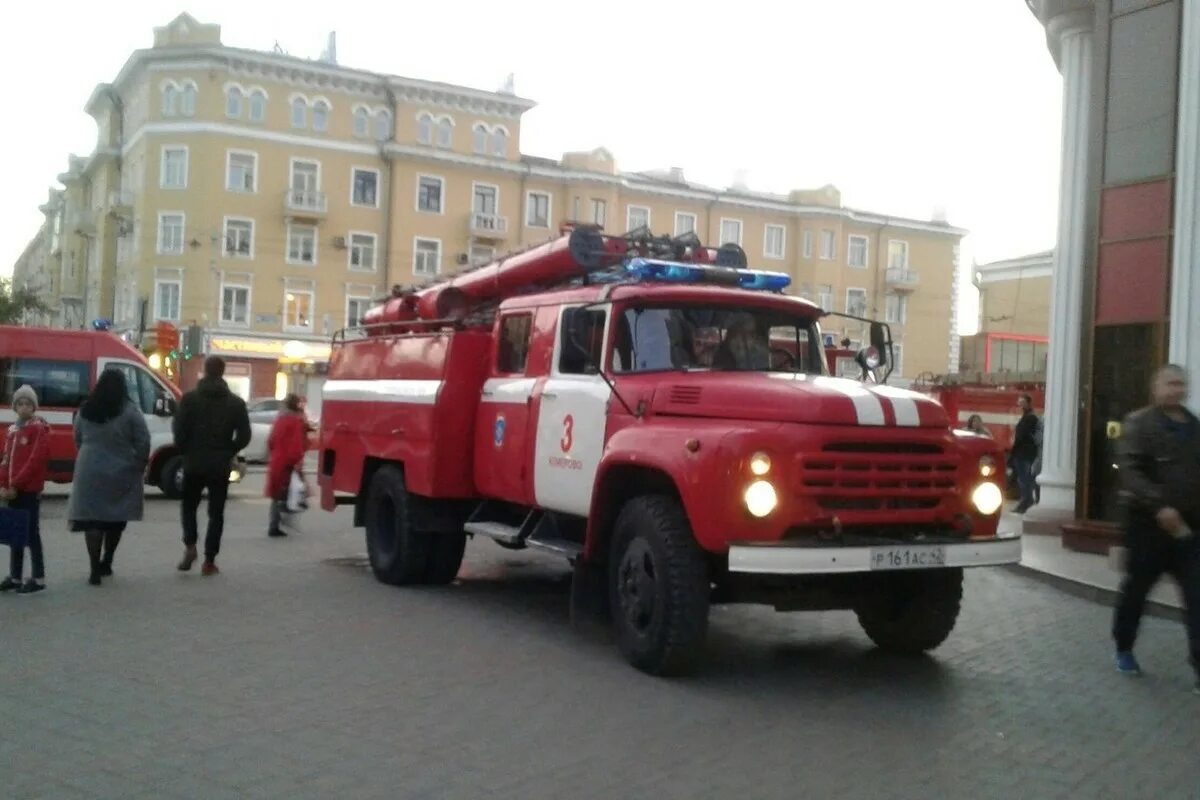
x=297, y=496
x=14, y=526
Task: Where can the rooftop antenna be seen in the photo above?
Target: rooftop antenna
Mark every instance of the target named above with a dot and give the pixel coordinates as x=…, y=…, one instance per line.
x=509, y=84
x=329, y=54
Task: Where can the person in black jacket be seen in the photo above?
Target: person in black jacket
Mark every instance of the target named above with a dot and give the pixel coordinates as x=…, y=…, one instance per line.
x=211, y=428
x=1025, y=452
x=1160, y=486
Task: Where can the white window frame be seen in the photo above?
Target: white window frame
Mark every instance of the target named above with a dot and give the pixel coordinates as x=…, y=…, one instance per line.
x=444, y=124
x=480, y=139
x=361, y=114
x=158, y=310
x=311, y=291
x=385, y=116
x=629, y=215
x=898, y=359
x=426, y=123
x=235, y=284
x=182, y=233
x=828, y=235
x=681, y=214
x=441, y=194
x=162, y=166
x=417, y=252
x=351, y=298
x=257, y=92
x=493, y=138
x=901, y=316
x=287, y=253
x=599, y=211
x=189, y=93
x=825, y=298
x=232, y=91
x=292, y=101
x=320, y=104
x=902, y=267
x=807, y=249
x=229, y=154
x=866, y=244
x=293, y=161
x=225, y=237
x=378, y=186
x=494, y=187
x=721, y=231
x=529, y=195
x=172, y=97
x=865, y=297
x=782, y=241
x=350, y=251
x=491, y=256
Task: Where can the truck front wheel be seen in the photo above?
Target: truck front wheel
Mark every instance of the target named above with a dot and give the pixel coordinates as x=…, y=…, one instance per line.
x=398, y=554
x=170, y=477
x=910, y=612
x=658, y=587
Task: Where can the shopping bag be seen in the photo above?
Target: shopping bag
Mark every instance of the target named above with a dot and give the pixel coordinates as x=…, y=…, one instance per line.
x=14, y=526
x=297, y=497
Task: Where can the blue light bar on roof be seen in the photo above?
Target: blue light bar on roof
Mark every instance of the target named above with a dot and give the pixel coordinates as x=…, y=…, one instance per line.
x=676, y=272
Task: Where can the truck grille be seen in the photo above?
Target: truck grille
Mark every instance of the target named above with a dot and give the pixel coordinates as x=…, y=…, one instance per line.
x=885, y=476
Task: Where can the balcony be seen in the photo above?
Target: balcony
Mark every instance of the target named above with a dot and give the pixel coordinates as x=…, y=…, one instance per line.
x=82, y=221
x=902, y=279
x=305, y=204
x=121, y=204
x=488, y=226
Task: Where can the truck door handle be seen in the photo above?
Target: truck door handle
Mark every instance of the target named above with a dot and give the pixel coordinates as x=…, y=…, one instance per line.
x=488, y=393
x=397, y=431
x=548, y=395
x=342, y=426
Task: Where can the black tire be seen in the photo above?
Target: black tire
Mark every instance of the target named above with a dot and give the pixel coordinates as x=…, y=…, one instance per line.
x=445, y=557
x=658, y=587
x=911, y=612
x=170, y=477
x=398, y=555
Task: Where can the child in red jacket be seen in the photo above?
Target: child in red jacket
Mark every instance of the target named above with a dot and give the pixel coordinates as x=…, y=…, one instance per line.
x=22, y=478
x=286, y=446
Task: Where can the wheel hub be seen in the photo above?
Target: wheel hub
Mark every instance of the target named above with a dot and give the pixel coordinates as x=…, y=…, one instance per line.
x=637, y=587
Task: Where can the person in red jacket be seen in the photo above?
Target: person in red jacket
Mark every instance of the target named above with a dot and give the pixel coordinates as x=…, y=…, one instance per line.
x=22, y=478
x=286, y=447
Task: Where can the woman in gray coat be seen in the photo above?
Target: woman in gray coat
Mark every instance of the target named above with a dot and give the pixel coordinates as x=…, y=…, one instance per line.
x=114, y=446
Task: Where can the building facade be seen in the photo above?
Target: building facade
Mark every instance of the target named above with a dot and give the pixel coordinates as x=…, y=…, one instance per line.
x=1127, y=262
x=273, y=199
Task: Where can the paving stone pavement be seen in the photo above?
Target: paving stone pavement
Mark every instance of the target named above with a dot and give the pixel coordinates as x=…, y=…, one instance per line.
x=295, y=674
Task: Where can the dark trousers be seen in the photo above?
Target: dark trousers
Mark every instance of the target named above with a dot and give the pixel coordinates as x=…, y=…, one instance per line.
x=1152, y=553
x=31, y=503
x=218, y=490
x=1024, y=469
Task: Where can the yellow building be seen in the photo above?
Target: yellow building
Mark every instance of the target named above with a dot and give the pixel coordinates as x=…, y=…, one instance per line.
x=272, y=199
x=1014, y=295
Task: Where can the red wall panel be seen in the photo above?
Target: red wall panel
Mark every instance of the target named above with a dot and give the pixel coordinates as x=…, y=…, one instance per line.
x=1132, y=281
x=1142, y=209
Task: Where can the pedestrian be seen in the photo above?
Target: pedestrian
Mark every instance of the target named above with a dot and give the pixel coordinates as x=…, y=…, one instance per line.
x=1036, y=468
x=1024, y=452
x=286, y=446
x=1160, y=486
x=107, y=490
x=211, y=427
x=22, y=478
x=975, y=425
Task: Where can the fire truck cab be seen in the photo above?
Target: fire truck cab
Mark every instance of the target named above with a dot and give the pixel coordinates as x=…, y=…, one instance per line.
x=625, y=404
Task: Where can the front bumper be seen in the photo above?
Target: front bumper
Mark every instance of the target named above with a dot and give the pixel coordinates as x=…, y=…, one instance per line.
x=781, y=559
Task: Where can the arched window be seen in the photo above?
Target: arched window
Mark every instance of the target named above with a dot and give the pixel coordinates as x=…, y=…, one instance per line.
x=233, y=102
x=258, y=105
x=383, y=126
x=188, y=106
x=499, y=142
x=321, y=116
x=362, y=123
x=170, y=98
x=479, y=138
x=299, y=112
x=425, y=129
x=445, y=132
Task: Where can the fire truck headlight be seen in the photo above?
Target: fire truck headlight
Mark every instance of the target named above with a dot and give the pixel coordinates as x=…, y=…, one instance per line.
x=987, y=498
x=760, y=464
x=987, y=466
x=760, y=498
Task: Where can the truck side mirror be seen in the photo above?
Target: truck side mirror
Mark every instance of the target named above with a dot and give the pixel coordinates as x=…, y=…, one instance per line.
x=880, y=339
x=164, y=406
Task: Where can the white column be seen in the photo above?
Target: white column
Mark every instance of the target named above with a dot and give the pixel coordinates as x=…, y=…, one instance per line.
x=1072, y=34
x=1185, y=273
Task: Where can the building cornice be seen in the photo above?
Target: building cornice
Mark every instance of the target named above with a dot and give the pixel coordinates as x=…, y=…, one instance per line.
x=1036, y=265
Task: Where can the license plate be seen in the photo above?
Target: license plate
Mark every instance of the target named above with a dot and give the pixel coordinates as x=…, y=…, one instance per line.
x=916, y=557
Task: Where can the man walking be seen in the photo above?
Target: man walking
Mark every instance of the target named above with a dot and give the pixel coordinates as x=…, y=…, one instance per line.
x=1025, y=452
x=211, y=428
x=1160, y=483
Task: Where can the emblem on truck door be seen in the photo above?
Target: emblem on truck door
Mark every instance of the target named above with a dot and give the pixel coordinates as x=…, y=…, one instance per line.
x=498, y=430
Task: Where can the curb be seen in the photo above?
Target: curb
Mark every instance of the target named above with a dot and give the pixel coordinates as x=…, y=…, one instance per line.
x=1096, y=594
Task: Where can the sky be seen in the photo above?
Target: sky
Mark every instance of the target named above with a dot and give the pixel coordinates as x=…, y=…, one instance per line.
x=906, y=107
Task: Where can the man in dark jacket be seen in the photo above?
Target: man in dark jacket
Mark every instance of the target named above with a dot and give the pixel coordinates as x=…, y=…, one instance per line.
x=1160, y=484
x=1025, y=452
x=211, y=428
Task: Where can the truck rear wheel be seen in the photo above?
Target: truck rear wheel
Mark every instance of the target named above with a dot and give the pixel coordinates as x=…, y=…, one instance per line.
x=445, y=557
x=911, y=612
x=658, y=587
x=170, y=477
x=398, y=554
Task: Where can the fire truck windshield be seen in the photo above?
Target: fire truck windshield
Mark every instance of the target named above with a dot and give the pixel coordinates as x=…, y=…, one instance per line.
x=656, y=338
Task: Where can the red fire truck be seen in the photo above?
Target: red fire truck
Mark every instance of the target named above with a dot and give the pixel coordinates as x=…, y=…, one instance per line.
x=622, y=402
